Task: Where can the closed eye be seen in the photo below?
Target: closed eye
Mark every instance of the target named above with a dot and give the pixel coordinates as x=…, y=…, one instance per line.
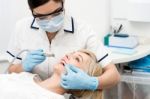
x=77, y=59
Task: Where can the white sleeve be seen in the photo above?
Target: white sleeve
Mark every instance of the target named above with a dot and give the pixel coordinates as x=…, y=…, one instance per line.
x=94, y=44
x=14, y=45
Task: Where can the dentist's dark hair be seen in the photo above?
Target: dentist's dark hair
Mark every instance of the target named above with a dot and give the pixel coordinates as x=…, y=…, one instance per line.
x=36, y=3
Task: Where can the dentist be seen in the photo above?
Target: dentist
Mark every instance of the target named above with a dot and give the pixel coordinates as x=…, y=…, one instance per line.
x=52, y=30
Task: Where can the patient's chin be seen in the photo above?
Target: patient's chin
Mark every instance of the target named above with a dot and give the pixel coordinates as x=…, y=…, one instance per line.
x=59, y=69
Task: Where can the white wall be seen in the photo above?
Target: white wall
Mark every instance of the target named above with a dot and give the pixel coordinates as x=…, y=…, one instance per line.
x=95, y=12
x=10, y=12
x=120, y=12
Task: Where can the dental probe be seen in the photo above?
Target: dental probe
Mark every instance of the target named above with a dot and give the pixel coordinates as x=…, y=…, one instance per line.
x=49, y=55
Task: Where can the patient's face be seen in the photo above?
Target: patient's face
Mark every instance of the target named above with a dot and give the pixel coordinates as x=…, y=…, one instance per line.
x=78, y=59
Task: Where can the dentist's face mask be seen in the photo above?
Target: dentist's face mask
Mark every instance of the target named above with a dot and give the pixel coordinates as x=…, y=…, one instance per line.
x=52, y=22
x=52, y=25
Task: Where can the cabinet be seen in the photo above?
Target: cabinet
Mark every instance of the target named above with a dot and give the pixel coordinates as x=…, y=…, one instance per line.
x=132, y=10
x=135, y=86
x=132, y=86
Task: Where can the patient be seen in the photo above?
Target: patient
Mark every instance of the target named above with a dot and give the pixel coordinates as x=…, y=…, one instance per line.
x=29, y=86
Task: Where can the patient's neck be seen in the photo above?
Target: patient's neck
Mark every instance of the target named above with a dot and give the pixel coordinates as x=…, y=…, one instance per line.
x=53, y=84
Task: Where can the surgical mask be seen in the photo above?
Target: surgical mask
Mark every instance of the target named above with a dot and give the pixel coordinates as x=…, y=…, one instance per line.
x=52, y=25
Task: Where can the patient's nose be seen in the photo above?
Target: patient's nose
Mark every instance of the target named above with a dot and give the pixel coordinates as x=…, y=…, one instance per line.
x=68, y=56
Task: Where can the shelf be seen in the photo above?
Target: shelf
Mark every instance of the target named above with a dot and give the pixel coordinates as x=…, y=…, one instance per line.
x=142, y=51
x=143, y=78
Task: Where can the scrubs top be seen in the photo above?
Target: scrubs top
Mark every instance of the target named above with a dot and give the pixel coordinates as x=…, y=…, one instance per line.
x=74, y=35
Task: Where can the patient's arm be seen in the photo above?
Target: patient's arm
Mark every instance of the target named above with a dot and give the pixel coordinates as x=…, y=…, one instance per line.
x=17, y=68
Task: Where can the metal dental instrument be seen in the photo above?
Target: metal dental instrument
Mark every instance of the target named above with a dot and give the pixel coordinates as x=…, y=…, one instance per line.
x=49, y=55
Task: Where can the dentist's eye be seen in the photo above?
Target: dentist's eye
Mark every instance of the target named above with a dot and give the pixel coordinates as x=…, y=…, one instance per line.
x=42, y=18
x=56, y=14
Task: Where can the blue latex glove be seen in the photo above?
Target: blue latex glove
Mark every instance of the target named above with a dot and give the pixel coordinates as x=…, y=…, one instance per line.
x=32, y=59
x=78, y=79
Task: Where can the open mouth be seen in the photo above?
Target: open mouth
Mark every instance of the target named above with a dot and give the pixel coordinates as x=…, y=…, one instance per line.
x=64, y=61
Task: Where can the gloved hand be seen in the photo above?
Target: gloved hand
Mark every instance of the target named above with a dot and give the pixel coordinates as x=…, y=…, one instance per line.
x=78, y=79
x=32, y=59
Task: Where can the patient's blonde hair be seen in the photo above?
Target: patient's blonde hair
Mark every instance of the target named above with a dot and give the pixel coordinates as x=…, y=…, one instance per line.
x=92, y=69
